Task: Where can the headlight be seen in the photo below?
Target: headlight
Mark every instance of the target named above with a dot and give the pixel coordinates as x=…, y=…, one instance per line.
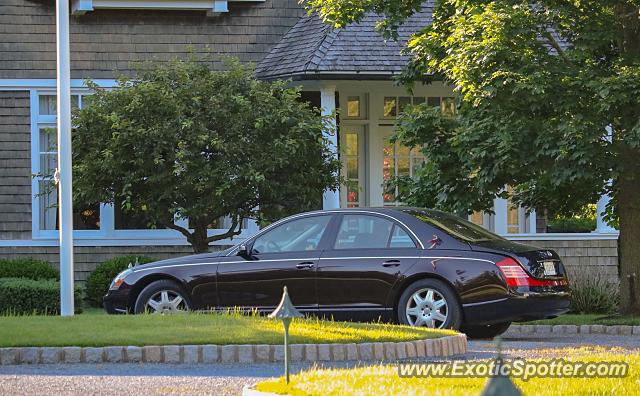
x=117, y=281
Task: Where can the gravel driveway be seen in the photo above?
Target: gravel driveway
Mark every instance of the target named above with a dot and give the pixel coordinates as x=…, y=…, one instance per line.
x=228, y=379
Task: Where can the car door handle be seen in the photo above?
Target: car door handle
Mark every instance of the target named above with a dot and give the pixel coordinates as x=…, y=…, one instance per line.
x=391, y=263
x=305, y=265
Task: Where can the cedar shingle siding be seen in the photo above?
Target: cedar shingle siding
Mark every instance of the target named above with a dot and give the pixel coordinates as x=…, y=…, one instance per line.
x=15, y=165
x=104, y=42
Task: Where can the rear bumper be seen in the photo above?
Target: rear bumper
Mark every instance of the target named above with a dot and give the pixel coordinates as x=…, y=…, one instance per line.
x=517, y=308
x=115, y=301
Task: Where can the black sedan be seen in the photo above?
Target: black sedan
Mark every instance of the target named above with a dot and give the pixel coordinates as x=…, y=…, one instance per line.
x=414, y=266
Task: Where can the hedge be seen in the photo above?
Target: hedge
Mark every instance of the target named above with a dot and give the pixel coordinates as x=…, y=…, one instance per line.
x=29, y=268
x=21, y=296
x=98, y=282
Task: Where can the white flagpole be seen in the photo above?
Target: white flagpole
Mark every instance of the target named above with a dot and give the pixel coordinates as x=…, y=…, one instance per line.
x=64, y=158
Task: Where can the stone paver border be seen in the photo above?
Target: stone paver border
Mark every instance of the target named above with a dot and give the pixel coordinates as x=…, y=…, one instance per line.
x=573, y=329
x=434, y=347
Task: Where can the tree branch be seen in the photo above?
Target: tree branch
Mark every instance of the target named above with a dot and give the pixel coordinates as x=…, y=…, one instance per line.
x=555, y=45
x=182, y=230
x=230, y=233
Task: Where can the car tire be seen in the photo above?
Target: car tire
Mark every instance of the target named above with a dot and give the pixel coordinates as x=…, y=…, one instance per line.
x=163, y=297
x=475, y=332
x=427, y=314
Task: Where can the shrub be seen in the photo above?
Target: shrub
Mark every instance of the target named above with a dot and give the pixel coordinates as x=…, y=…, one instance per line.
x=29, y=268
x=593, y=295
x=20, y=296
x=98, y=282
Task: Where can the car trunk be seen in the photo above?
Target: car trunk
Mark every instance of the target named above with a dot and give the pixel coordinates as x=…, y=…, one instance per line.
x=539, y=263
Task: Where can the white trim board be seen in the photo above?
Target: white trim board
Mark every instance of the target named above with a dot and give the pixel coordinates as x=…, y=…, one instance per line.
x=10, y=84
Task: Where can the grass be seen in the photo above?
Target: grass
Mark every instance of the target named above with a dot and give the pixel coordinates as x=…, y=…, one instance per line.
x=384, y=380
x=95, y=329
x=575, y=319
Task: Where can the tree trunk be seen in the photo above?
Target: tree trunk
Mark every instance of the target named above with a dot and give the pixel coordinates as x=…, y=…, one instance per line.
x=198, y=239
x=629, y=244
x=628, y=182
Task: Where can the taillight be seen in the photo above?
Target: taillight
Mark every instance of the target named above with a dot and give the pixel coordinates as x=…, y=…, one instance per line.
x=516, y=276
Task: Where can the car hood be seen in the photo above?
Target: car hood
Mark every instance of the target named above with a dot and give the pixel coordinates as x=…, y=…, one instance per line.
x=183, y=260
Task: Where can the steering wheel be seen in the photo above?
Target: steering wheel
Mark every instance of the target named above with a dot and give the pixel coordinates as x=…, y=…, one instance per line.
x=272, y=246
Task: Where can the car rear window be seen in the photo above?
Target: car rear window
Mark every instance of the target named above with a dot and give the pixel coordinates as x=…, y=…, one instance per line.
x=454, y=225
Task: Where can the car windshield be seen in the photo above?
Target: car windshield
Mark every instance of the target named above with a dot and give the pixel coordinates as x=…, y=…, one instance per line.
x=454, y=225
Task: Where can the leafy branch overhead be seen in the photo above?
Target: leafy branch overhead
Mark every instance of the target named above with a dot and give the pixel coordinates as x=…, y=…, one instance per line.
x=548, y=104
x=181, y=141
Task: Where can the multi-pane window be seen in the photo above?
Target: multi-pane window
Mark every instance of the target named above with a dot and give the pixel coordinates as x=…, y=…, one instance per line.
x=84, y=218
x=398, y=161
x=394, y=105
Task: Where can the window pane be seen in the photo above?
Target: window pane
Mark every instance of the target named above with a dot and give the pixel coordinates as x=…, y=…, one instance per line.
x=403, y=150
x=48, y=140
x=352, y=168
x=47, y=104
x=83, y=218
x=363, y=232
x=352, y=194
x=418, y=100
x=417, y=164
x=48, y=164
x=389, y=106
x=353, y=106
x=403, y=102
x=293, y=236
x=433, y=101
x=352, y=144
x=400, y=239
x=448, y=106
x=48, y=201
x=513, y=220
x=403, y=167
x=477, y=218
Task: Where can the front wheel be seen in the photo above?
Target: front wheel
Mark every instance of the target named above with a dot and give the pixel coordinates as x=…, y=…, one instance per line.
x=162, y=297
x=485, y=331
x=429, y=303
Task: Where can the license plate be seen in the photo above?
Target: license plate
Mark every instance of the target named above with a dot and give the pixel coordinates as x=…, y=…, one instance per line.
x=549, y=268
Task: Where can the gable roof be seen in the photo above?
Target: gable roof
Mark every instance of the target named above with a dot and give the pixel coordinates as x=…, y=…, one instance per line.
x=313, y=50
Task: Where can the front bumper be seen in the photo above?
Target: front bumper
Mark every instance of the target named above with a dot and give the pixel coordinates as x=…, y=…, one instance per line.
x=116, y=301
x=520, y=307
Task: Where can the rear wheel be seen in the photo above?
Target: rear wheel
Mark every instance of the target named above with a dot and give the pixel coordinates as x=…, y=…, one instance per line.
x=485, y=331
x=162, y=297
x=429, y=303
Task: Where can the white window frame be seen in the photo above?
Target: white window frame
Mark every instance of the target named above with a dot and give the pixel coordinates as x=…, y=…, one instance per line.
x=107, y=234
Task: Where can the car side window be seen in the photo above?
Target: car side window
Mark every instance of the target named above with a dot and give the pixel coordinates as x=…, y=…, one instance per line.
x=400, y=238
x=370, y=232
x=293, y=236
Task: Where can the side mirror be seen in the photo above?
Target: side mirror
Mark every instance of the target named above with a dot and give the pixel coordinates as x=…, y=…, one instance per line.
x=243, y=250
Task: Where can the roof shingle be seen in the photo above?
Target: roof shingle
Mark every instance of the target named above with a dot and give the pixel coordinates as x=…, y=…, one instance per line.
x=312, y=48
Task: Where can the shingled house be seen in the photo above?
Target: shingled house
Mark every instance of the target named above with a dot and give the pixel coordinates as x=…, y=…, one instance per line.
x=349, y=69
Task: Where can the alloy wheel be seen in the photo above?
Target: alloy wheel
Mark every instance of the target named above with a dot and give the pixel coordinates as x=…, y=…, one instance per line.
x=427, y=307
x=166, y=302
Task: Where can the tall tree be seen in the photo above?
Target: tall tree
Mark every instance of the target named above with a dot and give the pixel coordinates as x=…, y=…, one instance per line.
x=548, y=104
x=183, y=141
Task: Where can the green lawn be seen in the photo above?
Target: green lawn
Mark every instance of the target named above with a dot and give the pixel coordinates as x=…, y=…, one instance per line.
x=573, y=319
x=384, y=380
x=94, y=329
